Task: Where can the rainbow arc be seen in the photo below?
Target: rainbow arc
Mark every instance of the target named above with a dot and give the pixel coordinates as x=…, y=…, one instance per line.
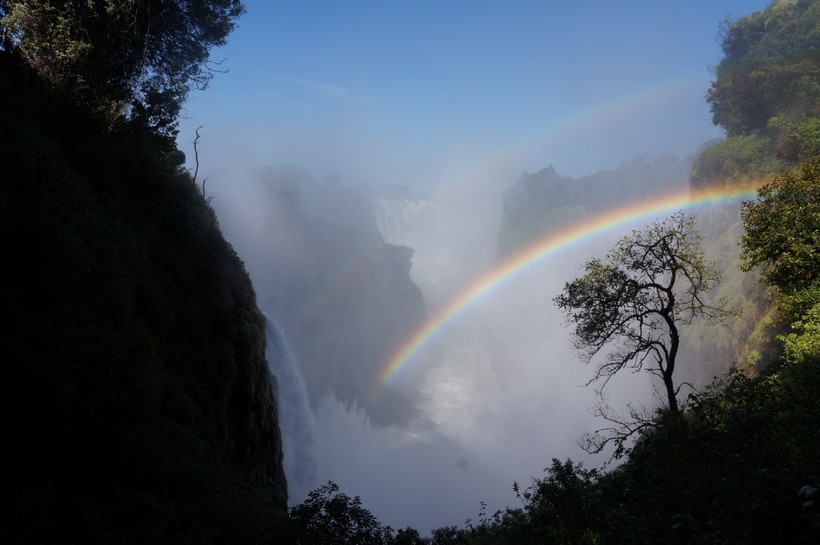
x=548, y=247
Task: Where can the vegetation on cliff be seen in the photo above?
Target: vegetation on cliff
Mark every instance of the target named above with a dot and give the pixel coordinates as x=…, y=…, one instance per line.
x=766, y=94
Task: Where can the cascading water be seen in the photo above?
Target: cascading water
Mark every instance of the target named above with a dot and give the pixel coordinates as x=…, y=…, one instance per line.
x=395, y=217
x=296, y=419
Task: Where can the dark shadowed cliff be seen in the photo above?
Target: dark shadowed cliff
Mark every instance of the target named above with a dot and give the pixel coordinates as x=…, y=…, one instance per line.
x=136, y=401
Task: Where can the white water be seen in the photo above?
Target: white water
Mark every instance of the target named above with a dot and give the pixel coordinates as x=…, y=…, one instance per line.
x=396, y=217
x=296, y=420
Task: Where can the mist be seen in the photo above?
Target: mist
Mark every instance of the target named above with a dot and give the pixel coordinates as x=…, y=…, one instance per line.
x=329, y=183
x=490, y=400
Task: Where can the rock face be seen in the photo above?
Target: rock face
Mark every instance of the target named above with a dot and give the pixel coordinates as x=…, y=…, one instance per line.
x=136, y=404
x=546, y=202
x=343, y=296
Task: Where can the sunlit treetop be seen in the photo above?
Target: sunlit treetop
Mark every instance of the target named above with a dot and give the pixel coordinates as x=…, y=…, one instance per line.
x=770, y=69
x=783, y=229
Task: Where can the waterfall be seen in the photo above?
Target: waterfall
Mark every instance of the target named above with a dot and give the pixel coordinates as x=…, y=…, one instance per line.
x=395, y=217
x=296, y=420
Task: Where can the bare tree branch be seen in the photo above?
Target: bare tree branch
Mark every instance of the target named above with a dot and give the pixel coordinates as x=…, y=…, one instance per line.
x=196, y=152
x=196, y=164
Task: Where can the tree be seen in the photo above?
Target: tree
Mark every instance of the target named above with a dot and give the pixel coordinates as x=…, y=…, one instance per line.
x=782, y=238
x=329, y=517
x=137, y=58
x=783, y=229
x=447, y=535
x=770, y=68
x=409, y=536
x=563, y=506
x=636, y=299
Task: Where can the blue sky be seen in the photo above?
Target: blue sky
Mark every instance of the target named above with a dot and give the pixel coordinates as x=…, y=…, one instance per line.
x=414, y=92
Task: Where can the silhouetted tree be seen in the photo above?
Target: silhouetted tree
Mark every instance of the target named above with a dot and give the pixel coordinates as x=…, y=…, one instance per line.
x=447, y=535
x=329, y=517
x=562, y=507
x=409, y=536
x=636, y=298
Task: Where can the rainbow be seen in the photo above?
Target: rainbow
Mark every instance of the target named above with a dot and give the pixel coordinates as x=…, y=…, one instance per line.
x=548, y=247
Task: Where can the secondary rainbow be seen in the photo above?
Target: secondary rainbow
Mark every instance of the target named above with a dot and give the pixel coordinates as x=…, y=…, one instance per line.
x=547, y=247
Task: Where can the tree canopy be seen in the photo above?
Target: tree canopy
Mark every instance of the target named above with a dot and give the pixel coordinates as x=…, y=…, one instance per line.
x=133, y=58
x=783, y=229
x=765, y=95
x=771, y=68
x=329, y=516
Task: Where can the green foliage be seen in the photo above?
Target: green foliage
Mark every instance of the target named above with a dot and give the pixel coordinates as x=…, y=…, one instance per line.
x=121, y=54
x=783, y=229
x=766, y=94
x=561, y=507
x=801, y=141
x=761, y=345
x=798, y=303
x=736, y=463
x=771, y=67
x=803, y=345
x=737, y=158
x=408, y=536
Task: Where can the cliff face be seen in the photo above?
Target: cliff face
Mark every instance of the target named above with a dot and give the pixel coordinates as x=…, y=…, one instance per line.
x=136, y=402
x=545, y=202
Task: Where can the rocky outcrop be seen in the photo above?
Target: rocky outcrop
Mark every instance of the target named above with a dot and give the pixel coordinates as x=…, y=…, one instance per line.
x=546, y=202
